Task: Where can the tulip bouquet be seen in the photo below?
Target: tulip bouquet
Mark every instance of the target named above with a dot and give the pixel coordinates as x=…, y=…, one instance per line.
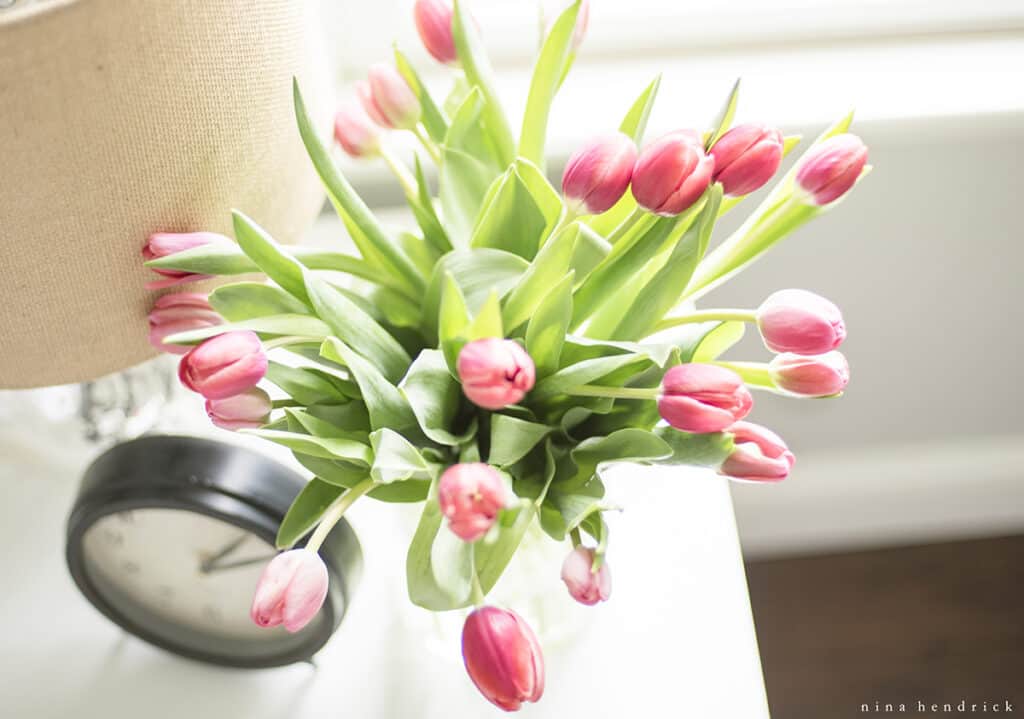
x=489, y=361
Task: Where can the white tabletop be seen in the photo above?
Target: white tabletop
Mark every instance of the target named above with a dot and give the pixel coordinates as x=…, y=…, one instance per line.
x=676, y=639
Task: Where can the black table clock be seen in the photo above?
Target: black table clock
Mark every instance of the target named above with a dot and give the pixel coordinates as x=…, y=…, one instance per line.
x=168, y=537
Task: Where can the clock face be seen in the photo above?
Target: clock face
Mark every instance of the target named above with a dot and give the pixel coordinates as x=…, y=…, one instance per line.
x=187, y=579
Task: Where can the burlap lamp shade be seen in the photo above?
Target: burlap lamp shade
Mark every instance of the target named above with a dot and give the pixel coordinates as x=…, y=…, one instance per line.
x=119, y=118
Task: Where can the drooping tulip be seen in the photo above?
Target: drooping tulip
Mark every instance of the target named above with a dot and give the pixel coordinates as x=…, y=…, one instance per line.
x=434, y=24
x=703, y=398
x=246, y=410
x=672, y=173
x=800, y=321
x=388, y=99
x=746, y=157
x=495, y=372
x=598, y=174
x=759, y=455
x=821, y=375
x=831, y=168
x=162, y=244
x=290, y=591
x=584, y=584
x=471, y=495
x=503, y=657
x=224, y=365
x=356, y=132
x=179, y=312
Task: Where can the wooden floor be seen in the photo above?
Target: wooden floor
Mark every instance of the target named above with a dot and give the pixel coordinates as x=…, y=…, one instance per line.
x=933, y=624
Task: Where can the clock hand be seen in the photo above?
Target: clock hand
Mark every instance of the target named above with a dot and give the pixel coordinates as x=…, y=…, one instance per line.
x=227, y=549
x=210, y=567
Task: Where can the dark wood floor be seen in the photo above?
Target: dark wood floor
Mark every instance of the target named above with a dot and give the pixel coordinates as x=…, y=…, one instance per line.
x=933, y=624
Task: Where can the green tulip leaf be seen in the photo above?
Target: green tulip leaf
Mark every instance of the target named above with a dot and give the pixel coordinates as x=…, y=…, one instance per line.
x=271, y=325
x=306, y=511
x=545, y=333
x=725, y=117
x=435, y=398
x=433, y=119
x=478, y=273
x=346, y=450
x=387, y=406
x=303, y=385
x=548, y=268
x=439, y=565
x=512, y=439
x=395, y=459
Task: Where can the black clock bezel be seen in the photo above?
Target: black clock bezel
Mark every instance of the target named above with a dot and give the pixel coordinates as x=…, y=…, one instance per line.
x=227, y=482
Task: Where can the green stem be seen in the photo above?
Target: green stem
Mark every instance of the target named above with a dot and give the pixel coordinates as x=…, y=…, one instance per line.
x=429, y=145
x=574, y=534
x=282, y=403
x=755, y=374
x=627, y=224
x=477, y=595
x=731, y=315
x=405, y=178
x=590, y=390
x=335, y=512
x=287, y=340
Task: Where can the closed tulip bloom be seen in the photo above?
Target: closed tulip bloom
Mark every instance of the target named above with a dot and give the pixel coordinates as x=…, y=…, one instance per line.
x=810, y=376
x=503, y=657
x=800, y=321
x=746, y=157
x=495, y=372
x=434, y=24
x=760, y=455
x=355, y=131
x=290, y=591
x=180, y=312
x=470, y=496
x=388, y=99
x=246, y=410
x=162, y=244
x=831, y=168
x=585, y=585
x=598, y=174
x=672, y=173
x=703, y=398
x=224, y=365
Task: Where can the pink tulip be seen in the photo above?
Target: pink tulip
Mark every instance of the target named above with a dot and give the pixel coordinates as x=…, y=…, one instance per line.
x=800, y=321
x=247, y=410
x=810, y=376
x=598, y=174
x=672, y=173
x=831, y=168
x=585, y=585
x=746, y=157
x=355, y=131
x=176, y=313
x=224, y=365
x=388, y=99
x=495, y=372
x=471, y=495
x=703, y=398
x=760, y=455
x=162, y=244
x=434, y=24
x=503, y=657
x=291, y=590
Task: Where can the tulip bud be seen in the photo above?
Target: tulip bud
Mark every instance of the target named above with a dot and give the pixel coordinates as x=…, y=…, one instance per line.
x=703, y=398
x=162, y=244
x=746, y=157
x=831, y=168
x=760, y=455
x=815, y=376
x=672, y=173
x=246, y=410
x=290, y=591
x=388, y=99
x=800, y=321
x=434, y=24
x=176, y=313
x=470, y=496
x=598, y=174
x=585, y=585
x=224, y=365
x=495, y=372
x=355, y=131
x=503, y=657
